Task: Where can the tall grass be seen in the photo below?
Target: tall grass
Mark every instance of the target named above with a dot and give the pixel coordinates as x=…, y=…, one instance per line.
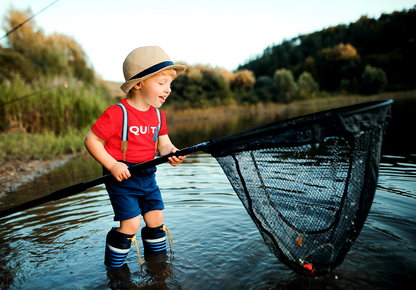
x=45, y=119
x=27, y=146
x=49, y=106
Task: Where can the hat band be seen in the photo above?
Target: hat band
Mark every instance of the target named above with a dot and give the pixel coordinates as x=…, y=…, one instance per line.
x=152, y=69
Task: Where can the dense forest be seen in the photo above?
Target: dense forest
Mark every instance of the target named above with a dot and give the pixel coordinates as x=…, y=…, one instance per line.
x=364, y=57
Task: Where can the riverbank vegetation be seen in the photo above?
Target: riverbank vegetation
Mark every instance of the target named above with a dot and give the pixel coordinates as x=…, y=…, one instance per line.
x=50, y=96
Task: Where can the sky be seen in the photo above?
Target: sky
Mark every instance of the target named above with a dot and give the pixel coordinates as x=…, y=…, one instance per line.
x=219, y=33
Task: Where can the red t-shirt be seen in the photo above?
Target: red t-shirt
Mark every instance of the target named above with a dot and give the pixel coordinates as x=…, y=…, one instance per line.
x=142, y=126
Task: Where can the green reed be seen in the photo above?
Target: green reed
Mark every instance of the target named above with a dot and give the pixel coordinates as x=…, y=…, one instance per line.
x=39, y=146
x=49, y=106
x=49, y=119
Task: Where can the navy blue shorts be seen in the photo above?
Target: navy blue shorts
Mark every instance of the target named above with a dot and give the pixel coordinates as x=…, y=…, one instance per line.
x=137, y=195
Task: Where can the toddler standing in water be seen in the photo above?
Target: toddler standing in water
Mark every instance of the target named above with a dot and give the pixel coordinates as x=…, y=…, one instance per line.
x=132, y=132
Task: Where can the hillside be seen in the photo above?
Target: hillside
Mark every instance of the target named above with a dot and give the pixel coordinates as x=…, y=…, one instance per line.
x=338, y=57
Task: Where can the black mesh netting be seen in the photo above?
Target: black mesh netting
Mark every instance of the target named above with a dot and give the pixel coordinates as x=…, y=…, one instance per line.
x=308, y=182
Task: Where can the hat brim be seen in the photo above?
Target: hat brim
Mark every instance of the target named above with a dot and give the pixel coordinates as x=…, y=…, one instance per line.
x=127, y=86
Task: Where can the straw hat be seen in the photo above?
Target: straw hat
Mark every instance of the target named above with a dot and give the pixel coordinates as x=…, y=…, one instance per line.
x=144, y=62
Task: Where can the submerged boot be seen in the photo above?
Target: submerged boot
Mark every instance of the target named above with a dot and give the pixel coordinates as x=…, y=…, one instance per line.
x=117, y=249
x=154, y=239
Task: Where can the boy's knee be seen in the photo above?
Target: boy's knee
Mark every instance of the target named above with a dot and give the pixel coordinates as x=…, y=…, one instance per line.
x=153, y=218
x=130, y=226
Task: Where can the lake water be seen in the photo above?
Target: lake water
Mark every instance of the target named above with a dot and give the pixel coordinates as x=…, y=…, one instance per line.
x=215, y=243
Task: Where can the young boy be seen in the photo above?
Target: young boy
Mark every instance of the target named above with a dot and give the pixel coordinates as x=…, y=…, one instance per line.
x=148, y=72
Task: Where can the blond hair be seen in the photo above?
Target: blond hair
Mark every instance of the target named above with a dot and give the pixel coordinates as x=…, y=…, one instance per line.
x=167, y=72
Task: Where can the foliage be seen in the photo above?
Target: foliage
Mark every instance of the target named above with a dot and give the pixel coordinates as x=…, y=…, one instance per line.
x=373, y=80
x=337, y=57
x=285, y=85
x=243, y=81
x=31, y=53
x=13, y=63
x=264, y=88
x=47, y=145
x=49, y=106
x=39, y=116
x=308, y=87
x=201, y=87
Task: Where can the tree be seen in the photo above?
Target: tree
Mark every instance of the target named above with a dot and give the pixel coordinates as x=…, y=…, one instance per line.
x=243, y=80
x=285, y=85
x=26, y=40
x=13, y=63
x=264, y=88
x=202, y=86
x=307, y=86
x=52, y=55
x=373, y=80
x=331, y=62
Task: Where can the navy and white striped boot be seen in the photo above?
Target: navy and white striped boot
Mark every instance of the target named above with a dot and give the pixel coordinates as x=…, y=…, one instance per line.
x=154, y=239
x=116, y=249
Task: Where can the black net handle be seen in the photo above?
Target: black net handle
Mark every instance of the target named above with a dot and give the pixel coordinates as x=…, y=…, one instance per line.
x=80, y=187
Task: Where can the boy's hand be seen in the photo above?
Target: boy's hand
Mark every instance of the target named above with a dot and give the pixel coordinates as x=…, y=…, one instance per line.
x=175, y=161
x=120, y=171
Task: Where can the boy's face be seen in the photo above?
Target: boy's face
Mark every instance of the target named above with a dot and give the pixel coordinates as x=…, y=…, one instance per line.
x=156, y=89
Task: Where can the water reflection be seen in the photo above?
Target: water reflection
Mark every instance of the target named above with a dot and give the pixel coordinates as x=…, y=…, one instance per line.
x=401, y=172
x=185, y=134
x=157, y=272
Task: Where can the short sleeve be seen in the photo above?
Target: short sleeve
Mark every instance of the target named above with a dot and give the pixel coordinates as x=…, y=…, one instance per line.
x=109, y=123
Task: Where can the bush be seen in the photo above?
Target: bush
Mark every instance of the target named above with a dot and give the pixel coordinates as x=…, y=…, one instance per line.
x=373, y=80
x=307, y=86
x=285, y=85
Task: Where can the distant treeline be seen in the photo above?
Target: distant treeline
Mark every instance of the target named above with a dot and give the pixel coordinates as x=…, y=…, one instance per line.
x=365, y=57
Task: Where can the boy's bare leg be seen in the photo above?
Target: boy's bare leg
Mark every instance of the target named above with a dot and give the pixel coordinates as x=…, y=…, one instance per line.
x=153, y=218
x=130, y=226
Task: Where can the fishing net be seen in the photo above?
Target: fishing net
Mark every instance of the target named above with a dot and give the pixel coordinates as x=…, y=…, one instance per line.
x=308, y=182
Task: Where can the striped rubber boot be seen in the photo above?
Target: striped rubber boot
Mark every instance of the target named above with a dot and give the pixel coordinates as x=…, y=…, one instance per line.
x=154, y=240
x=117, y=249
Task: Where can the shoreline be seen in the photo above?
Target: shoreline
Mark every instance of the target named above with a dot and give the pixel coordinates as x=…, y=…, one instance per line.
x=14, y=173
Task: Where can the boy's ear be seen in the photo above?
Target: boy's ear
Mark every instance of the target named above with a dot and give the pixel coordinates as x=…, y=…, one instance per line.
x=138, y=86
